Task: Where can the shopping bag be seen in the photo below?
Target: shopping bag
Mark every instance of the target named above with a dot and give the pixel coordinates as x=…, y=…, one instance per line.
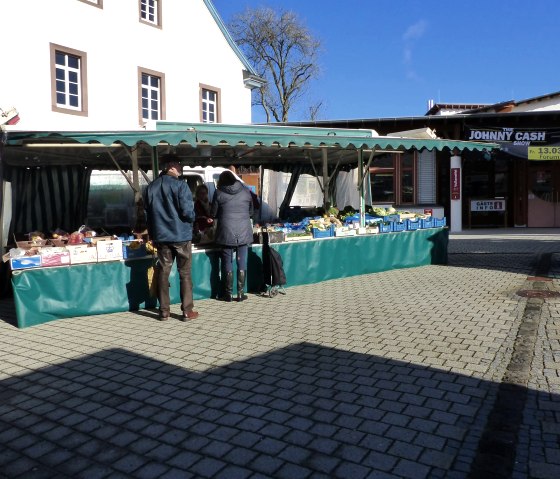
x=152, y=272
x=153, y=279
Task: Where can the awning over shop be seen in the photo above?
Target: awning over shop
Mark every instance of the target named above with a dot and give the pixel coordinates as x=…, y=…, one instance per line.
x=212, y=144
x=41, y=165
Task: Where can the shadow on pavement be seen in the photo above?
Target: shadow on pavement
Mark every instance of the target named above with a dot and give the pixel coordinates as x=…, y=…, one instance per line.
x=512, y=255
x=298, y=412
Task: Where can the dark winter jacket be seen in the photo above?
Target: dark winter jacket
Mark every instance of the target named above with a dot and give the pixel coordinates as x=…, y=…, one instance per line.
x=232, y=205
x=170, y=210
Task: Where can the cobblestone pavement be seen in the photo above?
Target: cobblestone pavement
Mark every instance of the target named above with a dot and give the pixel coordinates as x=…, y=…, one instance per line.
x=389, y=375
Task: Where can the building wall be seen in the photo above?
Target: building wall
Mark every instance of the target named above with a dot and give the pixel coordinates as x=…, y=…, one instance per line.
x=189, y=49
x=550, y=104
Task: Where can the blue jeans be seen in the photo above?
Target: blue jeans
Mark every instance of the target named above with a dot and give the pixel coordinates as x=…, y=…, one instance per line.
x=227, y=257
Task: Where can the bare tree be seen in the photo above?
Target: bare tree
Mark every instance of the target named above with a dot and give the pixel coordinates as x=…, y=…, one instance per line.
x=283, y=51
x=315, y=110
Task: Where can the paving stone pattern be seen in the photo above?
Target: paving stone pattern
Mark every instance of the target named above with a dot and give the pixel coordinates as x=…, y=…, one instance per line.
x=389, y=375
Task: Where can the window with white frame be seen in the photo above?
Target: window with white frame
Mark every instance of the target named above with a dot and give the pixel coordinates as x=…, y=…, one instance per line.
x=209, y=104
x=150, y=11
x=151, y=95
x=68, y=73
x=151, y=98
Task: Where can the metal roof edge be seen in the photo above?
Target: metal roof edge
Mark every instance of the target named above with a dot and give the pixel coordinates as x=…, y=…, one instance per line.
x=443, y=118
x=265, y=129
x=228, y=37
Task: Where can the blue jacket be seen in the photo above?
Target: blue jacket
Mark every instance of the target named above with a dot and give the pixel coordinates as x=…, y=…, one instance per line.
x=170, y=210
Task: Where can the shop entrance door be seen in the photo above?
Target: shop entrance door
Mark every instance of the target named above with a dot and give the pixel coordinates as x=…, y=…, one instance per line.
x=544, y=195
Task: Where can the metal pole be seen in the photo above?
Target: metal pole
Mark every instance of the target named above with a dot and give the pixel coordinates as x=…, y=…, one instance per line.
x=325, y=178
x=456, y=222
x=361, y=188
x=155, y=163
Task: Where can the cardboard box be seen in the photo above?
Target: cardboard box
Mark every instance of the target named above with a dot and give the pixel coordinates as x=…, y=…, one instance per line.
x=273, y=237
x=345, y=232
x=25, y=262
x=82, y=253
x=109, y=250
x=31, y=244
x=54, y=258
x=95, y=239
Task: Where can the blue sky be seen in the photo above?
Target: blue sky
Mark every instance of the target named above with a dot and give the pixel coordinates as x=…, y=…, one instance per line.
x=387, y=58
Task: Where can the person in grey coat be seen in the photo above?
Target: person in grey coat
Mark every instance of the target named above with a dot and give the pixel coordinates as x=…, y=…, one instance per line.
x=232, y=206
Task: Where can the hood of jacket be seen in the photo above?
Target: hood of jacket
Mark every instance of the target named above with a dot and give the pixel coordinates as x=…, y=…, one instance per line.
x=232, y=189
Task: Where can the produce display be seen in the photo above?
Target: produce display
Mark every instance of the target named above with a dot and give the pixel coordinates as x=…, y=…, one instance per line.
x=86, y=246
x=347, y=223
x=81, y=246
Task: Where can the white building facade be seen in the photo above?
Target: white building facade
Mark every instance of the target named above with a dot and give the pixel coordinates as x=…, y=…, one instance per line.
x=75, y=65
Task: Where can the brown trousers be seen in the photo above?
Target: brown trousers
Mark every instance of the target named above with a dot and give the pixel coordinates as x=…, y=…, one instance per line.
x=167, y=253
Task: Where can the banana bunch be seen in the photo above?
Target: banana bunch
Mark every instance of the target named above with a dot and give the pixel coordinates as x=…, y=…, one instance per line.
x=135, y=244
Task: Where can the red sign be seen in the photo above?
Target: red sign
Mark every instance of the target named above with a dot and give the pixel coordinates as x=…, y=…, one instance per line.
x=455, y=183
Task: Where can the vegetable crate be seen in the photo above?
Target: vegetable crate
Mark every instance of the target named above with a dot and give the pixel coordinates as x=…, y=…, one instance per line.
x=392, y=218
x=345, y=232
x=385, y=228
x=427, y=223
x=134, y=249
x=397, y=226
x=327, y=233
x=440, y=222
x=412, y=225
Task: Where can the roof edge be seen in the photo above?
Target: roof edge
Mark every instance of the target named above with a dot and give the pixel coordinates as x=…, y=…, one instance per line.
x=228, y=37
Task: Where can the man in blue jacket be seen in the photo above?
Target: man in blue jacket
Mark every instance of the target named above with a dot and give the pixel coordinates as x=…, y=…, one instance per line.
x=170, y=214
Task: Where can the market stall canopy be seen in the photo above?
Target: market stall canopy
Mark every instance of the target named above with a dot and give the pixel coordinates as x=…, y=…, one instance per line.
x=203, y=144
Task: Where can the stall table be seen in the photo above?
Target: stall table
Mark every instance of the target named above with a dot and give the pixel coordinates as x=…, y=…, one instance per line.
x=48, y=294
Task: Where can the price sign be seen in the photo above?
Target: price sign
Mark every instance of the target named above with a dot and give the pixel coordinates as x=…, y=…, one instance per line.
x=541, y=153
x=488, y=205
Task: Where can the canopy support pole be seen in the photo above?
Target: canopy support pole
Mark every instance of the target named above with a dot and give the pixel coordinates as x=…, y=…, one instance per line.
x=366, y=169
x=155, y=162
x=326, y=179
x=361, y=186
x=140, y=221
x=120, y=169
x=135, y=177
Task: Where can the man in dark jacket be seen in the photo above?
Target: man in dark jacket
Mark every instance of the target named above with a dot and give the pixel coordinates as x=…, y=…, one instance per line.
x=170, y=211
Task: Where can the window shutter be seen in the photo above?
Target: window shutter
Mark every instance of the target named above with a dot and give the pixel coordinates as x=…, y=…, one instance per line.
x=427, y=177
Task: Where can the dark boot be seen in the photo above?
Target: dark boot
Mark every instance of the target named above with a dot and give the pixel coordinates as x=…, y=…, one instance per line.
x=228, y=287
x=241, y=286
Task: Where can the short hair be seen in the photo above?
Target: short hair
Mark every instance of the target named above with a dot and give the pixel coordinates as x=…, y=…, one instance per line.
x=200, y=187
x=169, y=160
x=226, y=178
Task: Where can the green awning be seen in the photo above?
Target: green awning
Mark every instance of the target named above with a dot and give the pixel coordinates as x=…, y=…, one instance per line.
x=201, y=144
x=201, y=134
